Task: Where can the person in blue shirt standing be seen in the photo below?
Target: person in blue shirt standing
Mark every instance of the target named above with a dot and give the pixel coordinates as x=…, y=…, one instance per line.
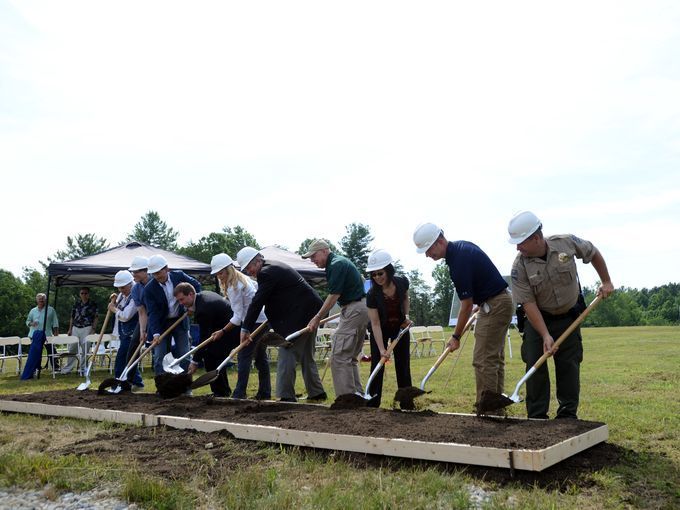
x=163, y=310
x=477, y=282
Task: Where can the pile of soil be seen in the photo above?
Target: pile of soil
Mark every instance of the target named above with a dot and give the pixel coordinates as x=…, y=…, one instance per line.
x=509, y=433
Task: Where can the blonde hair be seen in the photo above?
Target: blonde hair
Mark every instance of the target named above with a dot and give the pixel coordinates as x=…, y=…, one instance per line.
x=233, y=277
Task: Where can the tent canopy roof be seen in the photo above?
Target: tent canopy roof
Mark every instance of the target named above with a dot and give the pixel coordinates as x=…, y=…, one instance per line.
x=100, y=268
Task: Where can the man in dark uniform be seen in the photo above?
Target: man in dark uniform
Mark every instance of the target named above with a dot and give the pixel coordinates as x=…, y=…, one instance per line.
x=212, y=313
x=290, y=302
x=477, y=282
x=545, y=282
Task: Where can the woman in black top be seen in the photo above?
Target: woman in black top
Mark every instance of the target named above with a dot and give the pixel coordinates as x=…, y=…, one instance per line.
x=388, y=306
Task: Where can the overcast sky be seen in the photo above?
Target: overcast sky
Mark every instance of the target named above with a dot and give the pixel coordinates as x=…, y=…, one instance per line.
x=294, y=119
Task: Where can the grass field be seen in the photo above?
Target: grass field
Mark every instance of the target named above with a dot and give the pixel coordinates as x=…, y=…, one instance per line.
x=630, y=379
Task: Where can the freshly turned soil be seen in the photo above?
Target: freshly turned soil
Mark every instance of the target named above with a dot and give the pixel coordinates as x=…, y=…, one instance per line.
x=421, y=426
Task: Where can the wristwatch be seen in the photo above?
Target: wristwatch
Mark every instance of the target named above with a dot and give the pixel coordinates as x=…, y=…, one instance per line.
x=457, y=337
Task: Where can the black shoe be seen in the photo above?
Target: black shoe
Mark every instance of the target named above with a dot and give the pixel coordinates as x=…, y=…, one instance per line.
x=259, y=396
x=319, y=398
x=288, y=399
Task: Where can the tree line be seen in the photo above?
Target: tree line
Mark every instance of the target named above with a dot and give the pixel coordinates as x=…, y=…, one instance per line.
x=429, y=305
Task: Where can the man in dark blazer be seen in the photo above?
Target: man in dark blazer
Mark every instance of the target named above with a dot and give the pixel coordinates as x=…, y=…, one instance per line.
x=212, y=313
x=163, y=310
x=290, y=302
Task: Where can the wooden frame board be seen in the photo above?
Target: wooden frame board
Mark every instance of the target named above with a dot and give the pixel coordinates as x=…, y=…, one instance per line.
x=530, y=460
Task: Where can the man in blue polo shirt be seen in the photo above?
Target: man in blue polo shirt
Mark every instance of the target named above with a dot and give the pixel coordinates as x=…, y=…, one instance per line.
x=346, y=287
x=477, y=282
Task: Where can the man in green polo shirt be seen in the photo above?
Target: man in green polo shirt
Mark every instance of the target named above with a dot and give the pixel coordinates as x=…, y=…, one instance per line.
x=346, y=287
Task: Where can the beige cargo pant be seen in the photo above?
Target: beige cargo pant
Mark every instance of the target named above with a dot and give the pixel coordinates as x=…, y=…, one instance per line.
x=488, y=357
x=348, y=340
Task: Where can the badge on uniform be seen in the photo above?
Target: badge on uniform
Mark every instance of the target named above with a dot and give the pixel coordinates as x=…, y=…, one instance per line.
x=563, y=257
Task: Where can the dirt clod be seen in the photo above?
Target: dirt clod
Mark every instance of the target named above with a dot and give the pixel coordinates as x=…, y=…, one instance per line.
x=406, y=397
x=172, y=385
x=349, y=401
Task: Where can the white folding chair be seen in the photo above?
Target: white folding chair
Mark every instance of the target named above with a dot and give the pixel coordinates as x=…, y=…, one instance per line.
x=9, y=341
x=105, y=353
x=61, y=346
x=418, y=339
x=323, y=342
x=436, y=334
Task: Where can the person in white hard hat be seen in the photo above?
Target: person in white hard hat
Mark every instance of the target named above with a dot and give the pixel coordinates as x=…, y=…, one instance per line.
x=477, y=282
x=139, y=270
x=239, y=290
x=388, y=306
x=545, y=282
x=83, y=322
x=126, y=320
x=163, y=310
x=345, y=287
x=291, y=302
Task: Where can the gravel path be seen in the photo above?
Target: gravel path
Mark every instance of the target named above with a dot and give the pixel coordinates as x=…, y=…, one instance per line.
x=96, y=499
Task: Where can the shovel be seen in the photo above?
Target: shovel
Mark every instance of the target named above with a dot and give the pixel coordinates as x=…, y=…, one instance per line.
x=492, y=401
x=406, y=396
x=390, y=348
x=170, y=363
x=113, y=385
x=85, y=385
x=293, y=336
x=209, y=377
x=446, y=352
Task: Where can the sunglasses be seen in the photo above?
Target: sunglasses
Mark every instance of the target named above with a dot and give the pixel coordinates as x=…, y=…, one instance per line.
x=377, y=273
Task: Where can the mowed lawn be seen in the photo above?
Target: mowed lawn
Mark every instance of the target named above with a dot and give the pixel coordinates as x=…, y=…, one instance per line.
x=630, y=380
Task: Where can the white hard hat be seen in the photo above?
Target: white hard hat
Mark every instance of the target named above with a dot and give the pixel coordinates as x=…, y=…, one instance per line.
x=522, y=225
x=122, y=278
x=378, y=259
x=139, y=263
x=219, y=262
x=245, y=255
x=425, y=236
x=156, y=263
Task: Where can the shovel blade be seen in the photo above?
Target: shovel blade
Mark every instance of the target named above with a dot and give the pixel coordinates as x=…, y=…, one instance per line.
x=84, y=385
x=170, y=364
x=206, y=378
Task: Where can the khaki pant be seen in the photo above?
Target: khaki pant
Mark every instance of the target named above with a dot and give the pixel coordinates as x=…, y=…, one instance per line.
x=348, y=340
x=80, y=349
x=488, y=357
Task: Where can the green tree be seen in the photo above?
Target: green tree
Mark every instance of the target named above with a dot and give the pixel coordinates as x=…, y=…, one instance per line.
x=356, y=244
x=81, y=245
x=421, y=301
x=229, y=241
x=152, y=230
x=443, y=294
x=16, y=299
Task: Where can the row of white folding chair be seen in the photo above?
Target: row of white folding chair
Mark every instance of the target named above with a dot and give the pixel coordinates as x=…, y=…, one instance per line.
x=62, y=344
x=422, y=336
x=12, y=341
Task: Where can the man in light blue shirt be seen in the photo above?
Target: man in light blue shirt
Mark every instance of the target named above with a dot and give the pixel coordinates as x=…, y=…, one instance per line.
x=36, y=322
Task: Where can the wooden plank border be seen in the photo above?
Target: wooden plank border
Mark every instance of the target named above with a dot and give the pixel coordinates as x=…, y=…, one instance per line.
x=530, y=460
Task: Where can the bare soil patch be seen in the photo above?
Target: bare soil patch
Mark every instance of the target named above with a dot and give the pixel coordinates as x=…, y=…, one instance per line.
x=420, y=426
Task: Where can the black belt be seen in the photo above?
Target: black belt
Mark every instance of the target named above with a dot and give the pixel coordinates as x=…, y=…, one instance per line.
x=553, y=317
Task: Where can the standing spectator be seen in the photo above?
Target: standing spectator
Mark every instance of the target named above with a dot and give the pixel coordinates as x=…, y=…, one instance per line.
x=36, y=321
x=163, y=310
x=388, y=306
x=477, y=282
x=212, y=313
x=126, y=320
x=345, y=287
x=545, y=282
x=239, y=290
x=83, y=322
x=290, y=303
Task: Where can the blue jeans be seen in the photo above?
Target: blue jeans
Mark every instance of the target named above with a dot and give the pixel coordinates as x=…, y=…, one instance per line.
x=245, y=361
x=181, y=336
x=122, y=359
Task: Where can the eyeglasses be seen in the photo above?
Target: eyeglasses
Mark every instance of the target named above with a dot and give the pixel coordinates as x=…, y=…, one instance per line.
x=84, y=293
x=377, y=273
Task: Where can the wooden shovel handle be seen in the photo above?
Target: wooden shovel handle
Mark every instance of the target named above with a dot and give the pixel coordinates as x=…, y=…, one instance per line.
x=101, y=333
x=393, y=344
x=163, y=335
x=569, y=330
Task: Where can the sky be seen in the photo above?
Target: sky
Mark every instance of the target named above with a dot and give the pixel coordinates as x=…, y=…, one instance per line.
x=295, y=119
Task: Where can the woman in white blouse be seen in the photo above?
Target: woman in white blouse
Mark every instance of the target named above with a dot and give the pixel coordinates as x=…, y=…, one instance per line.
x=239, y=290
x=126, y=319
